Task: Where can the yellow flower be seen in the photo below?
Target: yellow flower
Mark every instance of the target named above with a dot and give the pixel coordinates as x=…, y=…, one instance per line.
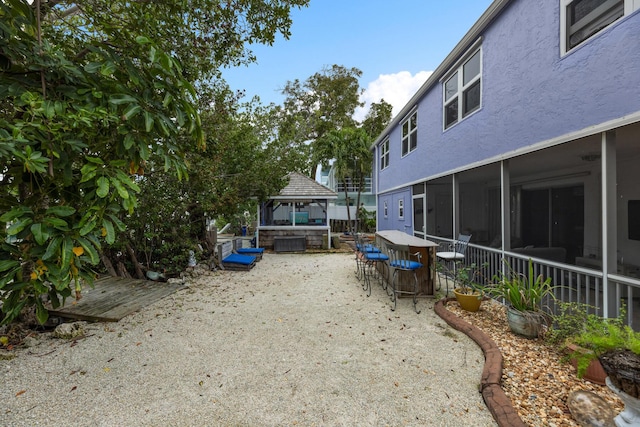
x=78, y=250
x=104, y=231
x=34, y=275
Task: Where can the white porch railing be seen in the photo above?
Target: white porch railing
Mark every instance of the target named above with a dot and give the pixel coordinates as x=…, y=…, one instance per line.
x=573, y=284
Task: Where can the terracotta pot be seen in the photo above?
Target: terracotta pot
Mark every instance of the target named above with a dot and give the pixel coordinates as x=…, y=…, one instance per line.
x=595, y=372
x=469, y=302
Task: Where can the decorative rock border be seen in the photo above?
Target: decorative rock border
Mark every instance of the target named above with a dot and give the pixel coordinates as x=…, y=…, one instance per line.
x=494, y=397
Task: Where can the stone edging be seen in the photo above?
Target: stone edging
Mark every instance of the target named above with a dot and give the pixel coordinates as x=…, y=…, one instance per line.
x=494, y=397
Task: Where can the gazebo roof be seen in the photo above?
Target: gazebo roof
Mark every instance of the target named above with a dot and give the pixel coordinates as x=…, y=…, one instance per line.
x=303, y=187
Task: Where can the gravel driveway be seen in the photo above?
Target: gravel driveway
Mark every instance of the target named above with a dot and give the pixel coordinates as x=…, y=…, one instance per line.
x=293, y=342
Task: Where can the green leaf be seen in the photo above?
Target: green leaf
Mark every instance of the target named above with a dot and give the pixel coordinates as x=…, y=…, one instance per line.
x=108, y=68
x=148, y=121
x=120, y=188
x=131, y=111
x=18, y=226
x=58, y=223
x=15, y=213
x=49, y=109
x=103, y=187
x=92, y=67
x=8, y=277
x=62, y=211
x=8, y=264
x=111, y=235
x=53, y=297
x=126, y=180
x=88, y=227
x=122, y=99
x=89, y=250
x=128, y=141
x=41, y=313
x=117, y=222
x=67, y=251
x=52, y=248
x=40, y=234
x=88, y=172
x=95, y=160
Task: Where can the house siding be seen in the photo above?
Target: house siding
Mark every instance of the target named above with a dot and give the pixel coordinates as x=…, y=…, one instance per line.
x=530, y=94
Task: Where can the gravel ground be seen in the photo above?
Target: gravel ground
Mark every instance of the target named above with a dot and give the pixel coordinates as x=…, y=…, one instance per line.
x=295, y=341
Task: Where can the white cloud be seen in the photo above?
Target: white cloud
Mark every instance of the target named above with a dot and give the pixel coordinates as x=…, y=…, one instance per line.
x=396, y=89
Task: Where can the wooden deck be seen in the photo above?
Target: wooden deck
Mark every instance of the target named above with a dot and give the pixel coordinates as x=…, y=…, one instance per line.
x=112, y=298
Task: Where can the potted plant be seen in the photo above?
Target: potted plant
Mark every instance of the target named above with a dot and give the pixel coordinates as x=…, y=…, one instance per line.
x=569, y=321
x=524, y=295
x=617, y=347
x=467, y=291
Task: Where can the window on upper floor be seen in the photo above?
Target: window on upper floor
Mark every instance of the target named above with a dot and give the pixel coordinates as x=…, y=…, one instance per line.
x=581, y=19
x=462, y=89
x=410, y=133
x=384, y=154
x=400, y=208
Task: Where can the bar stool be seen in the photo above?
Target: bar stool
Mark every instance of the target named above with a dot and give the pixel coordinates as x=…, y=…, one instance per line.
x=456, y=253
x=400, y=259
x=369, y=258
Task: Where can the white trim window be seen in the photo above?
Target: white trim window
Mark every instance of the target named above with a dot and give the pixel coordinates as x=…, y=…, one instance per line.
x=385, y=209
x=384, y=154
x=410, y=133
x=461, y=92
x=400, y=208
x=582, y=19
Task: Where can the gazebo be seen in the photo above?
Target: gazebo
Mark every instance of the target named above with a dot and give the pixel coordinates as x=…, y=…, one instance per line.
x=297, y=218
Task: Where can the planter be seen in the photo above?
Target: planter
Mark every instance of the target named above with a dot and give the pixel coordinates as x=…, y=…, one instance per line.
x=630, y=415
x=595, y=372
x=469, y=302
x=623, y=377
x=623, y=369
x=525, y=323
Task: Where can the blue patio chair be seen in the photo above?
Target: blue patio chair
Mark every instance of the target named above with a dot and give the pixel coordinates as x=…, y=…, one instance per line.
x=402, y=260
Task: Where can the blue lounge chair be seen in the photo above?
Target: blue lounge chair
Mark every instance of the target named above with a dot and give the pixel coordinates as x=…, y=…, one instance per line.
x=256, y=252
x=229, y=260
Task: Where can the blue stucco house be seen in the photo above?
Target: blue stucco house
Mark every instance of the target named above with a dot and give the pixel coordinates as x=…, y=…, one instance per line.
x=527, y=136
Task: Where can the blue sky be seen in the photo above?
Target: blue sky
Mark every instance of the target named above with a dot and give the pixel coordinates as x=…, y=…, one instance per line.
x=396, y=44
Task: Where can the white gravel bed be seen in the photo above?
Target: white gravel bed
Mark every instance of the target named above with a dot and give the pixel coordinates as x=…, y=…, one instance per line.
x=295, y=341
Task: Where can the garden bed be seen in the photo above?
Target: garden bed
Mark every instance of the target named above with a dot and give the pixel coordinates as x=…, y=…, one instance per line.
x=533, y=377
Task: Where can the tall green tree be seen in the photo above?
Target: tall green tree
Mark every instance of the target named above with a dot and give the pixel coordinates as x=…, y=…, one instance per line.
x=90, y=92
x=377, y=118
x=349, y=148
x=322, y=103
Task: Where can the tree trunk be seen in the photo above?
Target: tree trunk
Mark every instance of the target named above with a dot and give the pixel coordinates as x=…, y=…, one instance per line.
x=136, y=264
x=107, y=264
x=122, y=271
x=346, y=200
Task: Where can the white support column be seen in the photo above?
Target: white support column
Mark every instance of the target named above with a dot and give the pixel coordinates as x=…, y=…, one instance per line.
x=258, y=222
x=609, y=220
x=455, y=200
x=328, y=218
x=505, y=204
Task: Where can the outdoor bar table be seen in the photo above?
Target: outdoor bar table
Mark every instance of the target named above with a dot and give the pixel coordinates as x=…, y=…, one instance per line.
x=427, y=249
